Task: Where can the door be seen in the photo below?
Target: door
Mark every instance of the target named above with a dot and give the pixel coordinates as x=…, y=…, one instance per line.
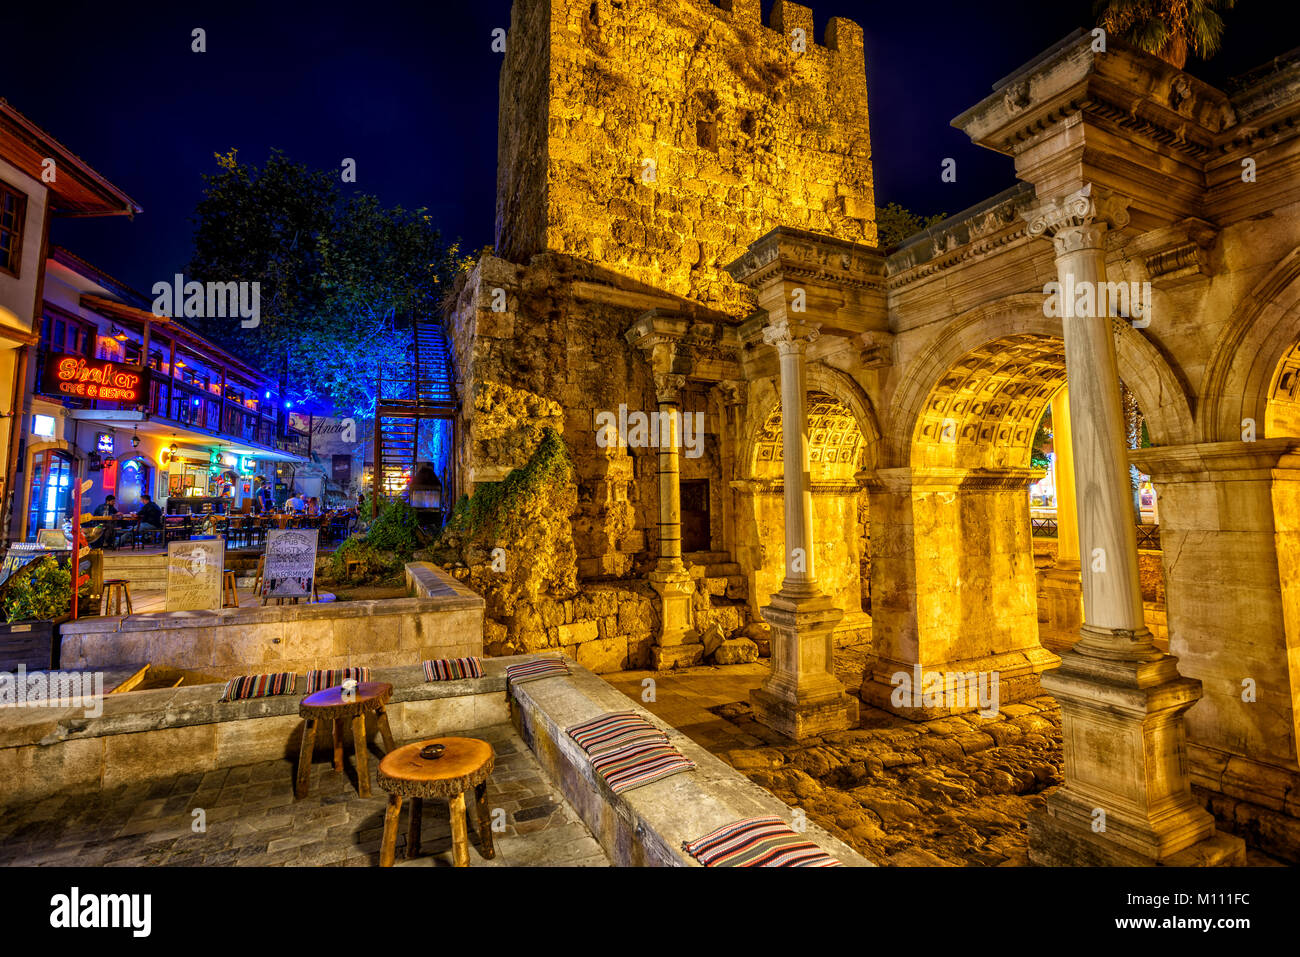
x=695, y=515
x=50, y=493
x=133, y=480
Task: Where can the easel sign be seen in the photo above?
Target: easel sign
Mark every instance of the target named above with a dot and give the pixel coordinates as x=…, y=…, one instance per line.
x=194, y=575
x=290, y=570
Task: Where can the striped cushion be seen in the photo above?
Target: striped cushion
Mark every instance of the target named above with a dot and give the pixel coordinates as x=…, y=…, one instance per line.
x=332, y=677
x=259, y=686
x=449, y=669
x=758, y=842
x=634, y=765
x=608, y=732
x=533, y=670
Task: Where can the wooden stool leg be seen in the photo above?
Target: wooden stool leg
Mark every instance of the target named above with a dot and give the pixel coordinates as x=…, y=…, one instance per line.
x=388, y=846
x=338, y=744
x=413, y=828
x=359, y=747
x=389, y=744
x=304, y=758
x=488, y=850
x=126, y=593
x=459, y=833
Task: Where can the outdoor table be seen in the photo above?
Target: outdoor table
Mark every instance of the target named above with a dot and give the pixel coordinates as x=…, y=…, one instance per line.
x=332, y=705
x=464, y=763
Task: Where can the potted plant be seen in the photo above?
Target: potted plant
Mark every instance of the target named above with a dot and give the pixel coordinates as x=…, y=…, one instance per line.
x=37, y=599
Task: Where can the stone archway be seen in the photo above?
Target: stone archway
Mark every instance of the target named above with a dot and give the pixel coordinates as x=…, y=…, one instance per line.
x=837, y=453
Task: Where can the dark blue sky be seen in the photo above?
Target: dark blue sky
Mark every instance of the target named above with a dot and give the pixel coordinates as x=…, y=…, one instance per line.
x=410, y=91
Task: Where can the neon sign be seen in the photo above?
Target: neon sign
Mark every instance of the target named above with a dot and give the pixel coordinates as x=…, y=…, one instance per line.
x=80, y=378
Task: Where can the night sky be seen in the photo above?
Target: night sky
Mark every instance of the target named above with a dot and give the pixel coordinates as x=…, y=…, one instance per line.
x=410, y=91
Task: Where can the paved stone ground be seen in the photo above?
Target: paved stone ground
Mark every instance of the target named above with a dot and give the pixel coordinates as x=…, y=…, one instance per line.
x=253, y=820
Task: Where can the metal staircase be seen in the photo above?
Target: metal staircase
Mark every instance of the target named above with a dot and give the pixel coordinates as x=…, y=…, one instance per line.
x=424, y=388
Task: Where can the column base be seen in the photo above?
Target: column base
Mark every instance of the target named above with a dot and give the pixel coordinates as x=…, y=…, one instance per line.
x=1125, y=750
x=675, y=587
x=668, y=657
x=893, y=685
x=1058, y=838
x=802, y=698
x=1063, y=602
x=805, y=718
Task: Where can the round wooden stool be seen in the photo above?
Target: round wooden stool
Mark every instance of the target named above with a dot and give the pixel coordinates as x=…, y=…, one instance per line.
x=332, y=705
x=116, y=590
x=229, y=590
x=465, y=763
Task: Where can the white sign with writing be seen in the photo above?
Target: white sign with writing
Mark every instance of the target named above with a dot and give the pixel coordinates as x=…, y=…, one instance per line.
x=290, y=562
x=194, y=575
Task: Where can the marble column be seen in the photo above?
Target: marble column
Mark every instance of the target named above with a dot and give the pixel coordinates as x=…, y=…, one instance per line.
x=1061, y=585
x=678, y=642
x=1127, y=796
x=801, y=697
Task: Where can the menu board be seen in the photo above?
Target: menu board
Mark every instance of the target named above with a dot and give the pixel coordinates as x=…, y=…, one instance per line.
x=194, y=575
x=53, y=538
x=290, y=562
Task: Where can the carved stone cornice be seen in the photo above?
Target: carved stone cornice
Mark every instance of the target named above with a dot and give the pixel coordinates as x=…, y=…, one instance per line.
x=1177, y=252
x=799, y=256
x=1079, y=220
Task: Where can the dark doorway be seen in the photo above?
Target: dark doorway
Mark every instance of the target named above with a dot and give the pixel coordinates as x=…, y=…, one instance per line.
x=695, y=515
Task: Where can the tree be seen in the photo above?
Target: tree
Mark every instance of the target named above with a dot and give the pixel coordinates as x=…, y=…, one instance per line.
x=895, y=223
x=1168, y=29
x=341, y=278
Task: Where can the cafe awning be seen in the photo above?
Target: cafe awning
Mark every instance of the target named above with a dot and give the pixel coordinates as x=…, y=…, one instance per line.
x=187, y=438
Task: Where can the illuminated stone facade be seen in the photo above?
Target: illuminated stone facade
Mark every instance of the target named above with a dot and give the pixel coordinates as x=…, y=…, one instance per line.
x=743, y=282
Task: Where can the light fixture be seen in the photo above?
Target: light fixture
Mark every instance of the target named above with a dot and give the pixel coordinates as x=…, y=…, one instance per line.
x=135, y=438
x=119, y=334
x=180, y=363
x=288, y=405
x=268, y=395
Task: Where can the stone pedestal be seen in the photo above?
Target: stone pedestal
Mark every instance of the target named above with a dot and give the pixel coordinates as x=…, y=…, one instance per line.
x=1125, y=749
x=677, y=643
x=1063, y=601
x=801, y=697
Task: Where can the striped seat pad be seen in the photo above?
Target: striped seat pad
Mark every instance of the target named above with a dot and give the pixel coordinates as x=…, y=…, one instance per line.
x=638, y=764
x=259, y=686
x=449, y=669
x=332, y=677
x=533, y=670
x=758, y=842
x=609, y=732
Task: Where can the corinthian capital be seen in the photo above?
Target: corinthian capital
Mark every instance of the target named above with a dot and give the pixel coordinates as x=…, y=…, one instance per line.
x=790, y=335
x=668, y=388
x=1078, y=220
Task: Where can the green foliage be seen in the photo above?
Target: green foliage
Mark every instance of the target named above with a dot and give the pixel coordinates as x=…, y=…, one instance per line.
x=341, y=277
x=396, y=528
x=388, y=543
x=500, y=511
x=1168, y=29
x=40, y=593
x=896, y=223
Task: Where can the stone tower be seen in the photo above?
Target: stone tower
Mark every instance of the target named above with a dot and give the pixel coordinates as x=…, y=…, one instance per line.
x=658, y=138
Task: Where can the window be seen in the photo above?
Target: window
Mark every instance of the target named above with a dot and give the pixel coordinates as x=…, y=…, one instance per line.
x=13, y=209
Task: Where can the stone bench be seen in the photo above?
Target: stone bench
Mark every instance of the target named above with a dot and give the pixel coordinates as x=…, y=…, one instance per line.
x=646, y=825
x=146, y=735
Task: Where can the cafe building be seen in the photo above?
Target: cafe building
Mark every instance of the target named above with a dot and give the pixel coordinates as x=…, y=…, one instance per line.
x=140, y=404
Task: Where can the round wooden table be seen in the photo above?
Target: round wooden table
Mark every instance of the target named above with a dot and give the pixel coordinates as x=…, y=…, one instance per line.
x=331, y=704
x=465, y=763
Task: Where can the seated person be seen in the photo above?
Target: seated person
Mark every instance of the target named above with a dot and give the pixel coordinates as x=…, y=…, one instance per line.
x=296, y=503
x=109, y=508
x=150, y=514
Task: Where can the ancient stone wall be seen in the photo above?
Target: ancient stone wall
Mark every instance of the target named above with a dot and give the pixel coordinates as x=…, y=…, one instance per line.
x=660, y=137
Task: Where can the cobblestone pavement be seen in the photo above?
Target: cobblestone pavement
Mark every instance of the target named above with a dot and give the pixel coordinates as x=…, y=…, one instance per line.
x=253, y=820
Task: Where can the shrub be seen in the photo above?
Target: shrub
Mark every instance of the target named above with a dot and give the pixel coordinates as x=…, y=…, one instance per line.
x=40, y=593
